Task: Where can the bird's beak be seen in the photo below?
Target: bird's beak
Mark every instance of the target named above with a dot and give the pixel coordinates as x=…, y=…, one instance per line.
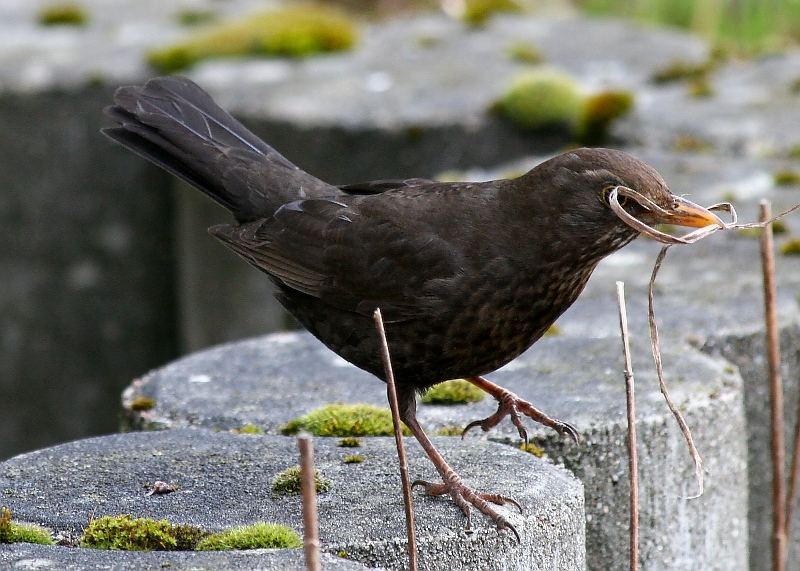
x=685, y=213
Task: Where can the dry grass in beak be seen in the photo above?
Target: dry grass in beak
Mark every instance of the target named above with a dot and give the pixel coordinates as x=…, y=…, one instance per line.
x=669, y=240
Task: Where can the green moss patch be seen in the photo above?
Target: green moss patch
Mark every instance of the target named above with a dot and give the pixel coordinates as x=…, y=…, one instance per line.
x=691, y=144
x=190, y=17
x=532, y=448
x=259, y=535
x=349, y=442
x=457, y=391
x=13, y=532
x=525, y=52
x=340, y=419
x=353, y=459
x=141, y=403
x=786, y=177
x=680, y=70
x=126, y=533
x=249, y=429
x=288, y=482
x=598, y=112
x=450, y=430
x=791, y=247
x=541, y=98
x=66, y=14
x=478, y=12
x=292, y=31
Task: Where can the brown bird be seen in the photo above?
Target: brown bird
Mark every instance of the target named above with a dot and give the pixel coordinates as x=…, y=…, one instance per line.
x=467, y=275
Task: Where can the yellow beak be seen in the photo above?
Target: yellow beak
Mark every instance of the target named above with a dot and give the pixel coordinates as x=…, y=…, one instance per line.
x=687, y=213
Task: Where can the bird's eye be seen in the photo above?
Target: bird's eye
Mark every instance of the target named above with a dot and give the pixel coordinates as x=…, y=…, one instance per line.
x=606, y=194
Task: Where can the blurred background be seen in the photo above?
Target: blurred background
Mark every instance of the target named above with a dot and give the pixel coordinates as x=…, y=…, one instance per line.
x=106, y=268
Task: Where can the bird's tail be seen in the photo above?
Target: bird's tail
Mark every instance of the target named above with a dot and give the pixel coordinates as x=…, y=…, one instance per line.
x=173, y=123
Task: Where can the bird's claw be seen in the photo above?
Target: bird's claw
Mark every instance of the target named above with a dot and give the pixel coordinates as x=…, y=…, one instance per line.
x=464, y=496
x=511, y=405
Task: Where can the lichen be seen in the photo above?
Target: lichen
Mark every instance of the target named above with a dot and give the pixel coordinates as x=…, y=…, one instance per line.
x=540, y=99
x=349, y=442
x=478, y=12
x=260, y=535
x=525, y=52
x=141, y=403
x=123, y=532
x=598, y=112
x=353, y=459
x=786, y=177
x=249, y=429
x=791, y=247
x=456, y=391
x=292, y=31
x=288, y=482
x=339, y=419
x=14, y=532
x=62, y=14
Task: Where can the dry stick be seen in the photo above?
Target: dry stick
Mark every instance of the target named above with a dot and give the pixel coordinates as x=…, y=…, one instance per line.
x=633, y=458
x=308, y=489
x=398, y=439
x=775, y=392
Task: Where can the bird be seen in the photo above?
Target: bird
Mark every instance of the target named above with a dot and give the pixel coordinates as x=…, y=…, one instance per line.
x=467, y=275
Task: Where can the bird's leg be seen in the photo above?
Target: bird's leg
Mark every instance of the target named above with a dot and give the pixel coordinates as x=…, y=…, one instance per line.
x=511, y=405
x=452, y=484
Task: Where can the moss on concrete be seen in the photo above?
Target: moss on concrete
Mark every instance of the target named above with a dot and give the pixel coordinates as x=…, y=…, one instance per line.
x=288, y=482
x=62, y=14
x=291, y=31
x=532, y=448
x=450, y=430
x=339, y=419
x=249, y=429
x=786, y=177
x=541, y=98
x=126, y=533
x=791, y=247
x=353, y=459
x=14, y=532
x=456, y=391
x=525, y=52
x=349, y=442
x=141, y=403
x=478, y=12
x=260, y=535
x=598, y=112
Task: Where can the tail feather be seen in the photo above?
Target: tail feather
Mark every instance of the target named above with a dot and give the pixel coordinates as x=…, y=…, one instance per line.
x=173, y=123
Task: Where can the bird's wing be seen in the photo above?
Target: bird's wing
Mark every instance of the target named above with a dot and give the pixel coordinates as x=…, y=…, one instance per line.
x=351, y=256
x=379, y=186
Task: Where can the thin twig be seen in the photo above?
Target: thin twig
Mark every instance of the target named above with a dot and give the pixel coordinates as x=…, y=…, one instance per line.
x=775, y=392
x=633, y=458
x=308, y=489
x=794, y=472
x=398, y=438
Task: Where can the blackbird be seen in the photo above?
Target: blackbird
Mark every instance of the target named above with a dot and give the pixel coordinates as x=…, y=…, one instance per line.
x=467, y=275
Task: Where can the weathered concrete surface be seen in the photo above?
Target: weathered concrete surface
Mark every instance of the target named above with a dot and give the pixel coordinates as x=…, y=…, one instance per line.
x=29, y=556
x=86, y=297
x=270, y=380
x=225, y=480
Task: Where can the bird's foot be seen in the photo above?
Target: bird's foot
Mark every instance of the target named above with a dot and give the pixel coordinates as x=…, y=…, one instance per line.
x=513, y=406
x=464, y=496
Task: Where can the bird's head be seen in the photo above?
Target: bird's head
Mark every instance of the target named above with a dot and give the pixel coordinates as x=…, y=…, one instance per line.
x=584, y=179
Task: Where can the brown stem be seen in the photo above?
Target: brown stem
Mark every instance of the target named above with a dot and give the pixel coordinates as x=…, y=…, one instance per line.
x=309, y=492
x=633, y=458
x=398, y=438
x=775, y=392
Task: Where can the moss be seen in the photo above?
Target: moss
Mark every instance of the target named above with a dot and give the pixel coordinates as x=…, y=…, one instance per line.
x=691, y=144
x=794, y=86
x=553, y=331
x=12, y=532
x=249, y=429
x=141, y=403
x=191, y=17
x=524, y=52
x=450, y=430
x=292, y=31
x=791, y=247
x=342, y=554
x=260, y=535
x=532, y=448
x=794, y=152
x=700, y=88
x=541, y=98
x=679, y=70
x=457, y=391
x=786, y=177
x=353, y=459
x=66, y=14
x=288, y=482
x=478, y=12
x=340, y=419
x=598, y=112
x=427, y=41
x=141, y=534
x=349, y=442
